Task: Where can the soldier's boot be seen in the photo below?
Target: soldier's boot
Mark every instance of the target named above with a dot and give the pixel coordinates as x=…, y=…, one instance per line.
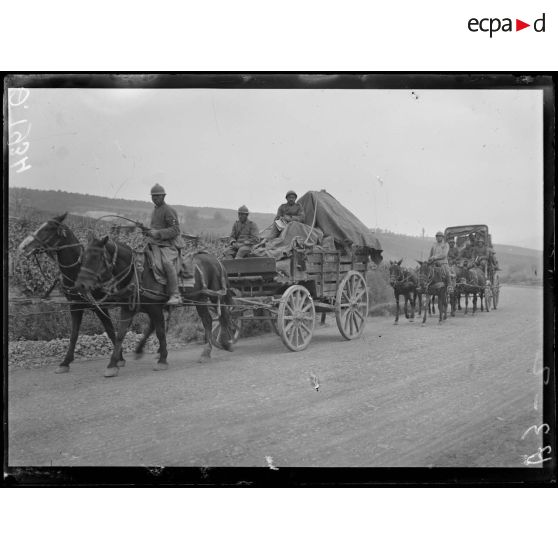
x=188, y=278
x=172, y=284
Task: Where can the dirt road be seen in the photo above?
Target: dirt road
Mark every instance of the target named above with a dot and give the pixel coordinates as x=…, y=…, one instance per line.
x=461, y=394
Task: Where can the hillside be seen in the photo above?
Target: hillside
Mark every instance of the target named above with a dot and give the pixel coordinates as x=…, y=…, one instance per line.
x=516, y=262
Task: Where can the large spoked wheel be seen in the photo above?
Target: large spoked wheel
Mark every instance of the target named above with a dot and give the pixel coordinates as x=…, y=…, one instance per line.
x=216, y=327
x=496, y=291
x=351, y=305
x=296, y=318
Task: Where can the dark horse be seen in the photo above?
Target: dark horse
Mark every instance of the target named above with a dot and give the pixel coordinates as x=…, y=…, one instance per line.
x=112, y=267
x=404, y=282
x=56, y=240
x=474, y=284
x=431, y=283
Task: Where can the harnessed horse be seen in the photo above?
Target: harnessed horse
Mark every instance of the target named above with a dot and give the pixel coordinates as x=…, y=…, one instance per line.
x=404, y=282
x=111, y=267
x=475, y=284
x=431, y=283
x=55, y=239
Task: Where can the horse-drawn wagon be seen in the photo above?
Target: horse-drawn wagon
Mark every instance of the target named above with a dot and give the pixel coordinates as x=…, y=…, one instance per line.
x=307, y=273
x=467, y=239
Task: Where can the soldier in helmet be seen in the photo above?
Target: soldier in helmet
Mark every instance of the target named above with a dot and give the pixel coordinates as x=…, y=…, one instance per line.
x=453, y=252
x=439, y=256
x=244, y=235
x=480, y=254
x=165, y=243
x=287, y=212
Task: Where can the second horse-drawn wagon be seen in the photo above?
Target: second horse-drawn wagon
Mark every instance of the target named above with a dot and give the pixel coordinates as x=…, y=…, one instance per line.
x=316, y=267
x=467, y=238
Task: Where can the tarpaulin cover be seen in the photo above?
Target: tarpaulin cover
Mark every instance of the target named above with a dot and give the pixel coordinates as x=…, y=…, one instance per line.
x=294, y=234
x=337, y=221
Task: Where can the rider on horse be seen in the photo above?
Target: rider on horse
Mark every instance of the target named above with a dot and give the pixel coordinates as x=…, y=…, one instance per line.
x=165, y=243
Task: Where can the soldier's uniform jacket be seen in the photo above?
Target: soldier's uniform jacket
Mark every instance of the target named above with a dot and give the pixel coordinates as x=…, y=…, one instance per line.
x=453, y=253
x=440, y=252
x=296, y=211
x=480, y=252
x=466, y=252
x=246, y=233
x=165, y=220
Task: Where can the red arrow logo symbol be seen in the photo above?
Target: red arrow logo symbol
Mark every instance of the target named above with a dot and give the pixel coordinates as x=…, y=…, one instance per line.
x=519, y=25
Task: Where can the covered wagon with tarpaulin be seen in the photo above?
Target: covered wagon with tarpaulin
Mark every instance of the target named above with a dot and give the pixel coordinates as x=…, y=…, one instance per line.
x=317, y=266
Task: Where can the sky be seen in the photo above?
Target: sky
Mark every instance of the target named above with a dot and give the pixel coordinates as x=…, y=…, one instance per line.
x=400, y=160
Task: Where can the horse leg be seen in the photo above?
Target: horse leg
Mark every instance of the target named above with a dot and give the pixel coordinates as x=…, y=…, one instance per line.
x=76, y=315
x=396, y=309
x=227, y=328
x=205, y=316
x=406, y=308
x=474, y=302
x=109, y=328
x=138, y=353
x=466, y=302
x=443, y=305
x=126, y=317
x=412, y=300
x=323, y=320
x=157, y=318
x=426, y=307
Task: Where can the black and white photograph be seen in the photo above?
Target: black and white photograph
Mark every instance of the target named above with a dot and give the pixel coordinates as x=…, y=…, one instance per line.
x=214, y=272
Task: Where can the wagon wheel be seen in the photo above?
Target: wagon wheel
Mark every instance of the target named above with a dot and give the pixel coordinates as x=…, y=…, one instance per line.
x=296, y=317
x=351, y=305
x=216, y=327
x=496, y=291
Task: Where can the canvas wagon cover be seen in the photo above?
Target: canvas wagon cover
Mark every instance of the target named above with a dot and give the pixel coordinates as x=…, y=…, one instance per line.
x=337, y=221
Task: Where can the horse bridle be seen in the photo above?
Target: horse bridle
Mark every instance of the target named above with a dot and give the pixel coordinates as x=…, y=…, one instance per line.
x=45, y=247
x=108, y=286
x=401, y=273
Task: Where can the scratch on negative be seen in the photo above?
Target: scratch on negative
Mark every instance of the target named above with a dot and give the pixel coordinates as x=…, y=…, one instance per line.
x=269, y=460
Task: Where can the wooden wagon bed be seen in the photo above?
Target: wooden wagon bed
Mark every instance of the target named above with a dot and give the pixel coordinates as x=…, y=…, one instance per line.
x=289, y=292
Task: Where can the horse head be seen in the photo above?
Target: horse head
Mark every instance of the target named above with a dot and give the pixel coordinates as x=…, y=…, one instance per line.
x=47, y=238
x=395, y=272
x=96, y=267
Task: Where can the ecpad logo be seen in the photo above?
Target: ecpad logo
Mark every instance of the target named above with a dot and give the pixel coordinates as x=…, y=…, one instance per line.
x=492, y=25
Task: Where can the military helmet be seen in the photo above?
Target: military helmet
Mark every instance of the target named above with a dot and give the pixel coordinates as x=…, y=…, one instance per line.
x=157, y=190
x=439, y=233
x=243, y=209
x=291, y=193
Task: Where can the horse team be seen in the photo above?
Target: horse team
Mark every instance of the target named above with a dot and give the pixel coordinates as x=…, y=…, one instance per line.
x=427, y=284
x=106, y=274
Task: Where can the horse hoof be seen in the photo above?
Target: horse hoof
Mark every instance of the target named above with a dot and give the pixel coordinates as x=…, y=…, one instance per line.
x=395, y=323
x=111, y=372
x=137, y=356
x=204, y=359
x=62, y=370
x=161, y=366
x=411, y=320
x=121, y=363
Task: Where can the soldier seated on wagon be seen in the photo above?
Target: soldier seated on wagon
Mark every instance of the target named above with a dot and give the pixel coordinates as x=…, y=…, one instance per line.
x=287, y=212
x=480, y=254
x=453, y=252
x=244, y=236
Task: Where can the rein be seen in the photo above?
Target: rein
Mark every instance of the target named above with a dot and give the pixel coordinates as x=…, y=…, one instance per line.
x=110, y=285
